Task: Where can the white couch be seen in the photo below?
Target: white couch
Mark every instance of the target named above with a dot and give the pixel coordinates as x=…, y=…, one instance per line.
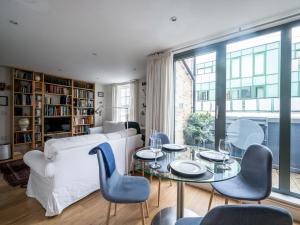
x=108, y=127
x=65, y=173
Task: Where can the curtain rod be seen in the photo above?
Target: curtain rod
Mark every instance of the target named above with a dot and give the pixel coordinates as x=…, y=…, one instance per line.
x=239, y=30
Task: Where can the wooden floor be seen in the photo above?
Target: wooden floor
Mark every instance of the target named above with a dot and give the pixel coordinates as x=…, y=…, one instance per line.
x=16, y=208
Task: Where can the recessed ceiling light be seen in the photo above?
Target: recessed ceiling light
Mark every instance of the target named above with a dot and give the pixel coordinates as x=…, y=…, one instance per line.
x=173, y=18
x=134, y=69
x=59, y=70
x=94, y=54
x=13, y=22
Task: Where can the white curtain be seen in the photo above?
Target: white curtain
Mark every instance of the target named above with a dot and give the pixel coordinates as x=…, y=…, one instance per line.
x=115, y=102
x=160, y=94
x=133, y=114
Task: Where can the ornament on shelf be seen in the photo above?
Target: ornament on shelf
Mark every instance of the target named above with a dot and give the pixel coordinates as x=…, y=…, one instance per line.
x=23, y=124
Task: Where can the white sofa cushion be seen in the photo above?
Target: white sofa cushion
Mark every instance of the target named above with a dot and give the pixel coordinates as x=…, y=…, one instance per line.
x=112, y=126
x=53, y=146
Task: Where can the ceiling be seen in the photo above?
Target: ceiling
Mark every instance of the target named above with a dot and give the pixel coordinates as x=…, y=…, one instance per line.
x=60, y=36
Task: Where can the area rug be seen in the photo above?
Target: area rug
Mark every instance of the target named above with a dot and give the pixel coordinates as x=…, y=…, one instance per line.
x=15, y=173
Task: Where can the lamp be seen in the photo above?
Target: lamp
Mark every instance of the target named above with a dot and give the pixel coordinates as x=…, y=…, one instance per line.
x=99, y=111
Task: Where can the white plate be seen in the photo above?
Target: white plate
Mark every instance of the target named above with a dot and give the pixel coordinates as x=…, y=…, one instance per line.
x=148, y=154
x=174, y=147
x=188, y=167
x=213, y=155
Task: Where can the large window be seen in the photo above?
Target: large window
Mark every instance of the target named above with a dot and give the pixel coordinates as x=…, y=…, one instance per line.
x=250, y=87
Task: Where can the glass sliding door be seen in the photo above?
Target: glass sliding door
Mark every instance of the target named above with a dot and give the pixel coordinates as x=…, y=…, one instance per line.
x=252, y=95
x=195, y=80
x=295, y=113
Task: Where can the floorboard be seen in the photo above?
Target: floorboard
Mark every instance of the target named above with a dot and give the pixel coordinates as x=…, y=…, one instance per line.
x=17, y=209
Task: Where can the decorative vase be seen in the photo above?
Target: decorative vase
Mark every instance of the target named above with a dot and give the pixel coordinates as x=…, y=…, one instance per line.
x=23, y=124
x=37, y=77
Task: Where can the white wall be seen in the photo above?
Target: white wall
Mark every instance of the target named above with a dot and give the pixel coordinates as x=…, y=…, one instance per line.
x=106, y=101
x=5, y=111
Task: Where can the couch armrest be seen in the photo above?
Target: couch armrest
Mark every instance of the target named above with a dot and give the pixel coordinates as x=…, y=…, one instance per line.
x=96, y=130
x=36, y=161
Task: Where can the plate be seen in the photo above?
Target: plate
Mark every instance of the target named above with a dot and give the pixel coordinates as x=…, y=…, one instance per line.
x=148, y=154
x=188, y=168
x=174, y=147
x=212, y=155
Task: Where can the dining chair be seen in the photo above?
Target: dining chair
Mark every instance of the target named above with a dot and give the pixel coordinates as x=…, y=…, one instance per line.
x=116, y=188
x=164, y=140
x=241, y=215
x=254, y=182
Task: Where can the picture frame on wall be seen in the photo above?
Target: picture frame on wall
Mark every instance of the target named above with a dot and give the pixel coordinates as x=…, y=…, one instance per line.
x=3, y=101
x=100, y=94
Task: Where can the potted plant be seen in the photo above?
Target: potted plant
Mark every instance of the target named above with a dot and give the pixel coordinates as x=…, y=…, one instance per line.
x=199, y=129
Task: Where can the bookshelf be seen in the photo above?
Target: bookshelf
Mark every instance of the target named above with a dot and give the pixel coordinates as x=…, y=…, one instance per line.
x=83, y=107
x=49, y=107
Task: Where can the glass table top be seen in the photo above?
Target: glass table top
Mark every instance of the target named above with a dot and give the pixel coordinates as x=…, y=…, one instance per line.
x=213, y=174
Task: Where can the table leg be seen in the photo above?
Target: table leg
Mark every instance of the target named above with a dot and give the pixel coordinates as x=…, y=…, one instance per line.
x=180, y=199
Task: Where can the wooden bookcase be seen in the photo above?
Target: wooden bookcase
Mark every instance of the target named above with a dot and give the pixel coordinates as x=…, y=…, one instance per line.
x=54, y=106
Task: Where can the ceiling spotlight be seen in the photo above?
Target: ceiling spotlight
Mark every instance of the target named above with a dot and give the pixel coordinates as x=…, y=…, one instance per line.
x=13, y=22
x=134, y=69
x=94, y=54
x=59, y=70
x=173, y=19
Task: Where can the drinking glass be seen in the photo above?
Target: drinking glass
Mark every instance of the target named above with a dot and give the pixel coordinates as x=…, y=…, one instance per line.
x=225, y=149
x=156, y=150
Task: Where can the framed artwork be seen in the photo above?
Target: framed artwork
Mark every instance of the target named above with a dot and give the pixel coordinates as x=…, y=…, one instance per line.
x=3, y=101
x=100, y=94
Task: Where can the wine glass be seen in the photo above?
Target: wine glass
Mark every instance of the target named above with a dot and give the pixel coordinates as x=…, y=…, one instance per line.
x=156, y=150
x=225, y=149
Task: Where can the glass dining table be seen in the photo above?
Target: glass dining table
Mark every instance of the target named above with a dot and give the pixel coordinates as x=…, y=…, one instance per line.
x=168, y=216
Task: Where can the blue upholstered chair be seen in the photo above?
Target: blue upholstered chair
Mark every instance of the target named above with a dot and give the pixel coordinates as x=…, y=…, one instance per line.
x=254, y=182
x=241, y=215
x=116, y=188
x=164, y=140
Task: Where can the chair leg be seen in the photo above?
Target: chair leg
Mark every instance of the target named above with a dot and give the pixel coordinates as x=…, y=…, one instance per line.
x=171, y=183
x=115, y=213
x=211, y=199
x=143, y=168
x=259, y=202
x=108, y=214
x=158, y=194
x=226, y=201
x=151, y=177
x=142, y=214
x=147, y=209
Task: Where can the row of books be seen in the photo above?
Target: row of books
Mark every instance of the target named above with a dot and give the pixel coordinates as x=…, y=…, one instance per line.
x=22, y=111
x=38, y=137
x=22, y=138
x=83, y=85
x=81, y=130
x=23, y=86
x=80, y=121
x=24, y=75
x=57, y=110
x=54, y=89
x=83, y=103
x=54, y=80
x=83, y=112
x=58, y=100
x=78, y=93
x=21, y=99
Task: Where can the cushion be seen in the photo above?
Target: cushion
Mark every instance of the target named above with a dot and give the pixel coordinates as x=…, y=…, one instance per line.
x=112, y=126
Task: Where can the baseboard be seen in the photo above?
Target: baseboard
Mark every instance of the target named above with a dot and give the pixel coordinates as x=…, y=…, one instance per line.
x=292, y=204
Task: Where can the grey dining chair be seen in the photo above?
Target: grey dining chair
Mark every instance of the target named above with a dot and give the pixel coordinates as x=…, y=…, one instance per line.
x=254, y=182
x=116, y=188
x=241, y=215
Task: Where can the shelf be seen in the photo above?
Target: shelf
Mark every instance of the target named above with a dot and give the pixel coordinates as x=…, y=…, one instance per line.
x=83, y=115
x=24, y=93
x=87, y=89
x=76, y=107
x=24, y=143
x=56, y=133
x=91, y=99
x=47, y=93
x=23, y=79
x=59, y=104
x=56, y=116
x=19, y=131
x=83, y=124
x=61, y=85
x=23, y=105
x=23, y=116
